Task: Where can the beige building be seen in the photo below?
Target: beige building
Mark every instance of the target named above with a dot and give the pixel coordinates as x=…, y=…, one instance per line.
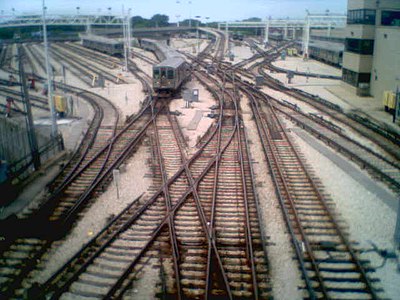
x=371, y=61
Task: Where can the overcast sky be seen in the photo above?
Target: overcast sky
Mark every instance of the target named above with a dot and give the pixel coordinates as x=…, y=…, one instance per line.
x=214, y=9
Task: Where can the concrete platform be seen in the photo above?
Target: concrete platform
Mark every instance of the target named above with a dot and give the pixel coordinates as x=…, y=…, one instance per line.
x=295, y=63
x=367, y=106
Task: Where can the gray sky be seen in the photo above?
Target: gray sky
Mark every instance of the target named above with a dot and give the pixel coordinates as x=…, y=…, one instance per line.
x=215, y=9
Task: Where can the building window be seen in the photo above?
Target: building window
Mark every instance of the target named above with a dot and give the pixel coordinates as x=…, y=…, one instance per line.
x=361, y=16
x=360, y=46
x=390, y=18
x=354, y=78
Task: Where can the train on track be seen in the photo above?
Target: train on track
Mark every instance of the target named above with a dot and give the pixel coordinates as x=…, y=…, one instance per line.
x=103, y=44
x=171, y=72
x=327, y=52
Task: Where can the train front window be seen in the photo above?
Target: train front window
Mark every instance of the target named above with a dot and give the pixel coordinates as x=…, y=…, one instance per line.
x=156, y=74
x=163, y=73
x=170, y=74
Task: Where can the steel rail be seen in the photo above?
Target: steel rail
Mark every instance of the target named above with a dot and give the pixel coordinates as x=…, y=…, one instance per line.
x=345, y=241
x=281, y=178
x=336, y=114
x=142, y=210
x=168, y=202
x=194, y=184
x=191, y=190
x=245, y=88
x=249, y=244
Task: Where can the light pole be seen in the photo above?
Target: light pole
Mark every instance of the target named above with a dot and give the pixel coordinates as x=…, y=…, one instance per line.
x=306, y=36
x=207, y=18
x=129, y=31
x=177, y=15
x=77, y=10
x=54, y=130
x=197, y=34
x=198, y=21
x=190, y=13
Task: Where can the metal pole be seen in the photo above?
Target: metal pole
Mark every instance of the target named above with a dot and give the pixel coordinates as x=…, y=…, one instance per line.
x=306, y=36
x=125, y=43
x=396, y=105
x=397, y=230
x=88, y=28
x=329, y=29
x=190, y=14
x=266, y=34
x=198, y=42
x=54, y=130
x=29, y=119
x=129, y=32
x=286, y=31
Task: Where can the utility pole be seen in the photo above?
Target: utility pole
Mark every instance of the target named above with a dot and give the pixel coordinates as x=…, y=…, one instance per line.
x=285, y=35
x=88, y=28
x=125, y=35
x=329, y=29
x=198, y=41
x=54, y=130
x=129, y=32
x=29, y=119
x=397, y=230
x=306, y=37
x=266, y=34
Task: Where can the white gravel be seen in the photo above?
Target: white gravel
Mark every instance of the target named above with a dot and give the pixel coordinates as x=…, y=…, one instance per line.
x=241, y=53
x=188, y=45
x=126, y=97
x=206, y=100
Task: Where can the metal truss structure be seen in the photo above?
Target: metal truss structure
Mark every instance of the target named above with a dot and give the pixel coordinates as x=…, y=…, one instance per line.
x=61, y=20
x=311, y=21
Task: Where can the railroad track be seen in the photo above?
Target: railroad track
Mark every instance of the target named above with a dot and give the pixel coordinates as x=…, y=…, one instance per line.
x=96, y=57
x=386, y=140
x=378, y=165
x=82, y=65
x=38, y=57
x=384, y=166
x=6, y=57
x=145, y=58
x=36, y=101
x=206, y=238
x=33, y=55
x=108, y=146
x=330, y=266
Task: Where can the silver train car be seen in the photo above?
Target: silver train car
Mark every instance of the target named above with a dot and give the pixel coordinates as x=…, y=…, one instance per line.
x=103, y=44
x=171, y=72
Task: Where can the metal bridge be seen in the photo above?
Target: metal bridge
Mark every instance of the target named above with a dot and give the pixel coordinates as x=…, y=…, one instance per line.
x=60, y=20
x=315, y=21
